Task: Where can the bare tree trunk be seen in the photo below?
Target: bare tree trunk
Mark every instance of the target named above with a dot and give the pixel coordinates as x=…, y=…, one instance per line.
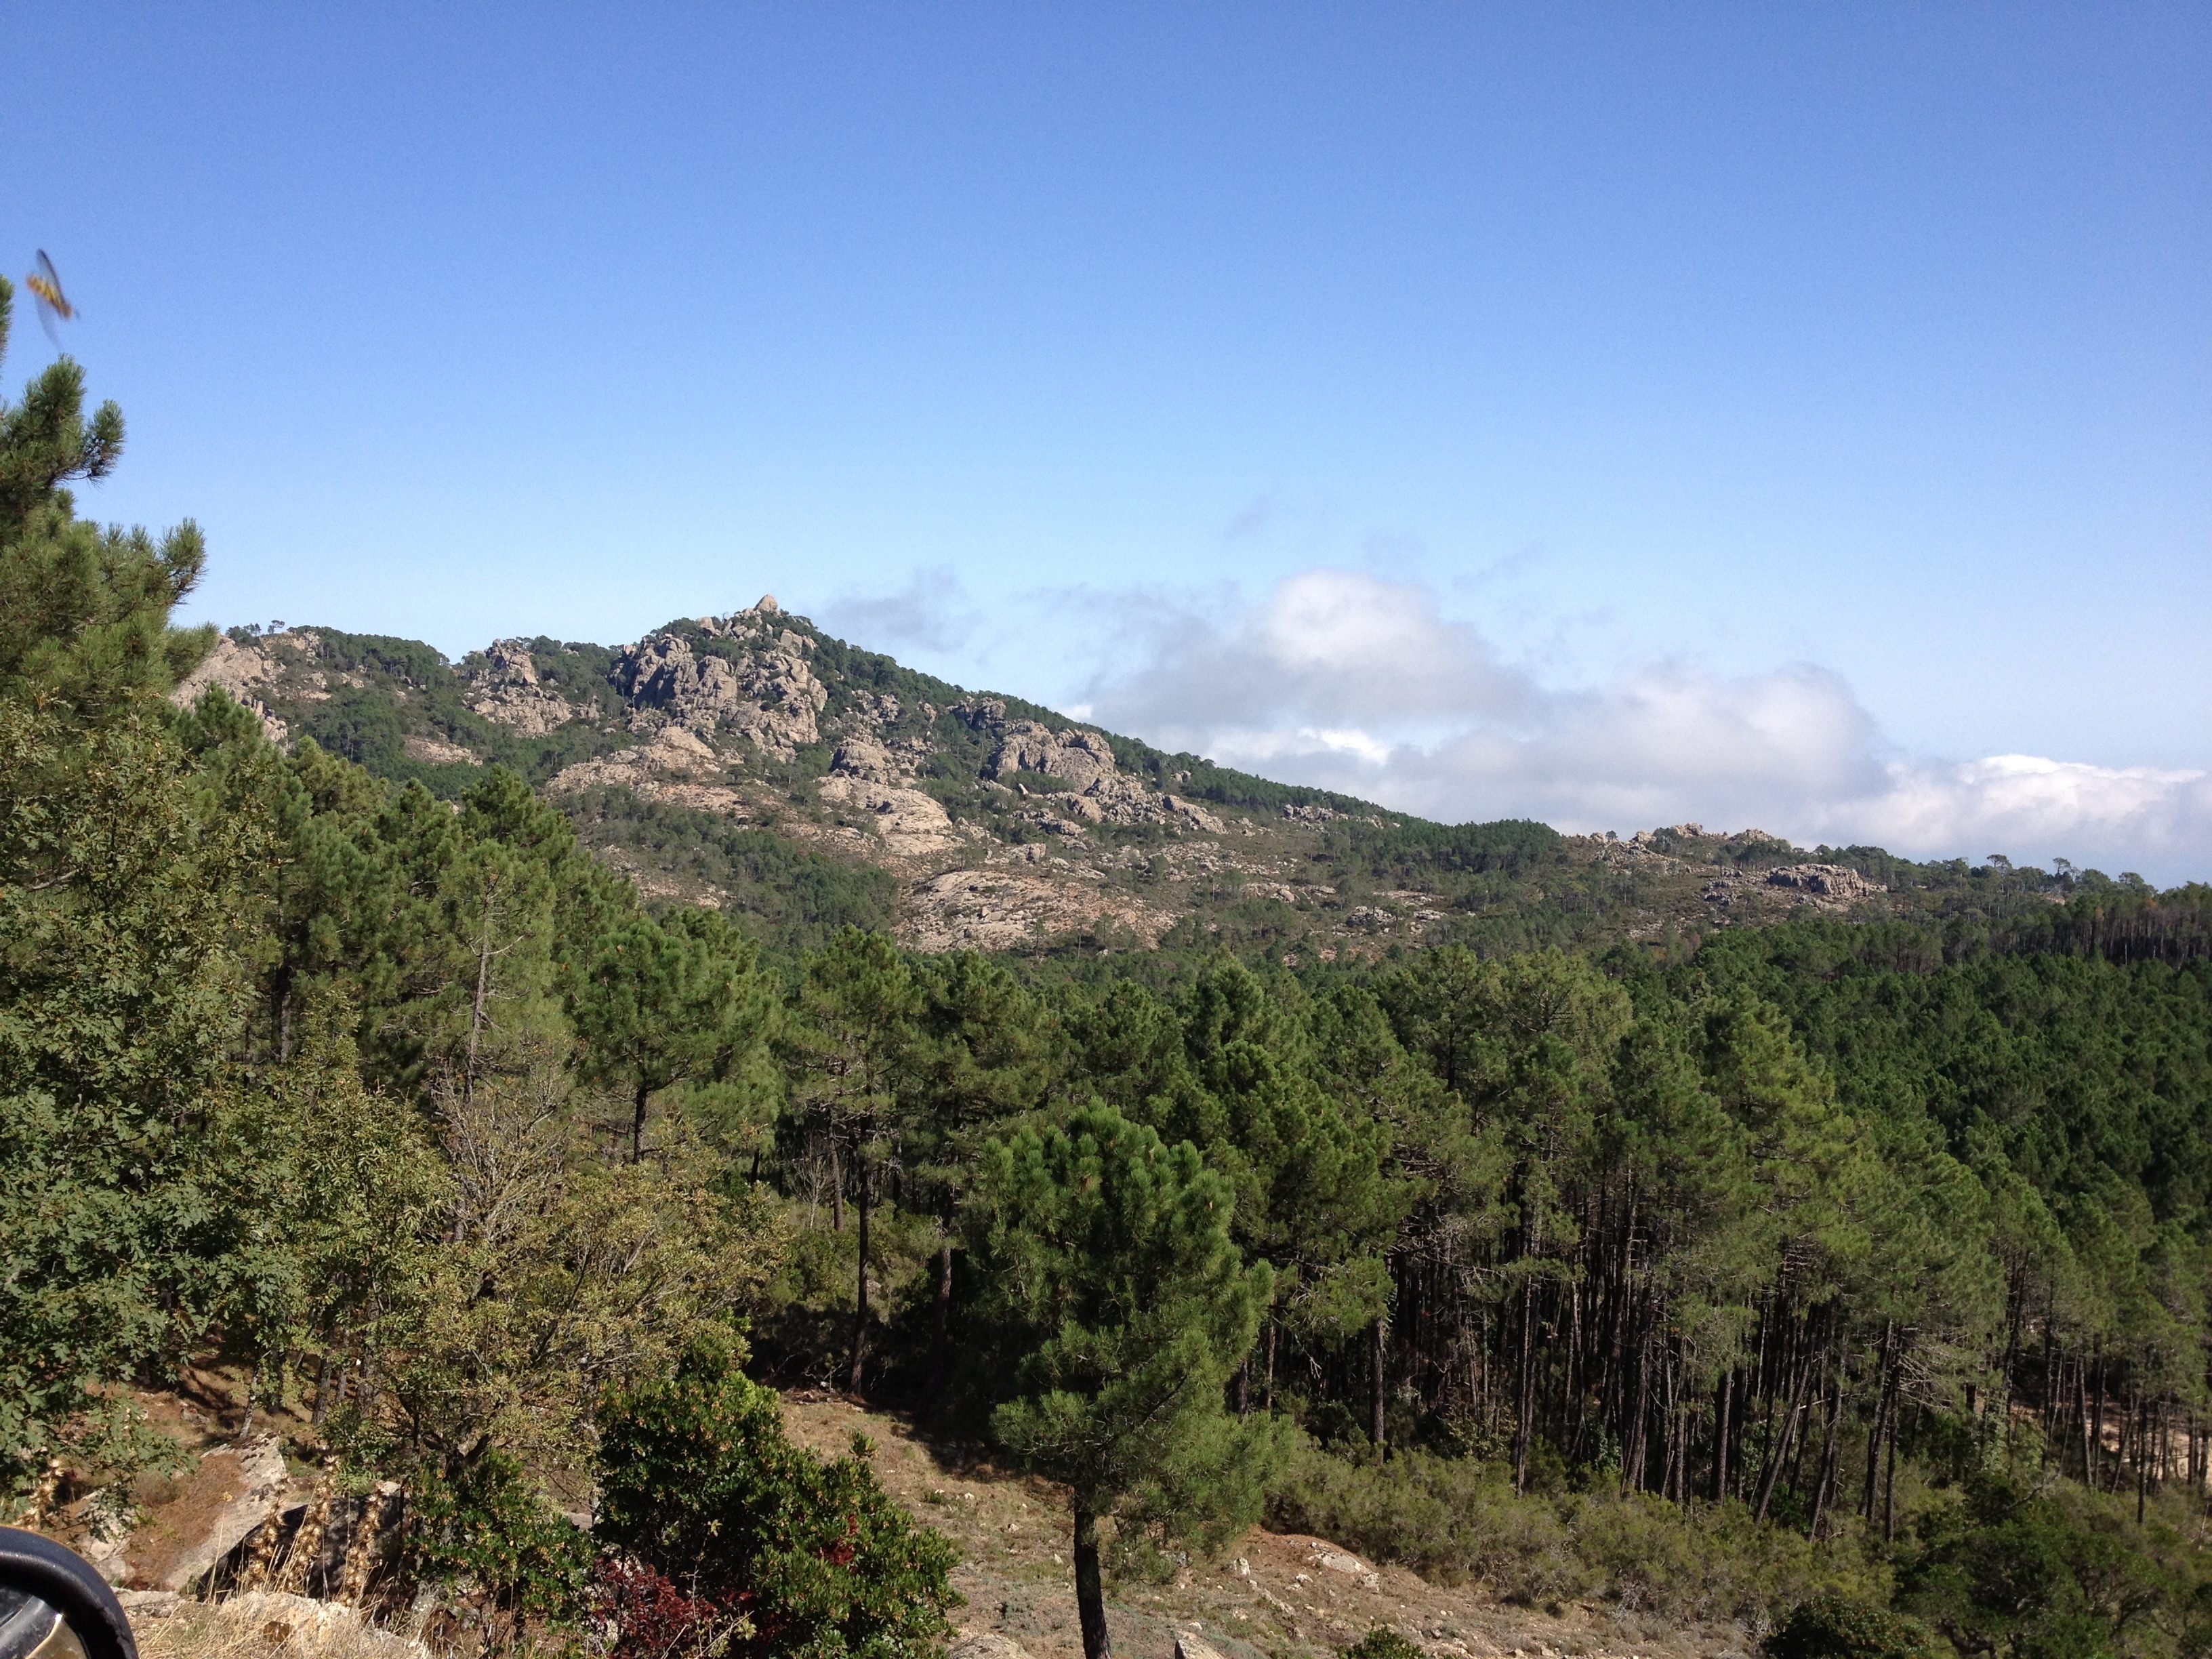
x=1721, y=1435
x=2120, y=1426
x=1381, y=1333
x=2081, y=1418
x=1672, y=1462
x=1687, y=1435
x=1781, y=1452
x=943, y=1303
x=2050, y=1384
x=1828, y=1477
x=1090, y=1587
x=1525, y=1406
x=860, y=1295
x=483, y=987
x=2097, y=1422
x=637, y=1123
x=1639, y=1420
x=1880, y=1417
x=2142, y=1463
x=1889, y=1482
x=1268, y=1400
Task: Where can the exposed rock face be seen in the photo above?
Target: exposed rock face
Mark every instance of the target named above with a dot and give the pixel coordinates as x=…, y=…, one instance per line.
x=986, y=1644
x=910, y=823
x=436, y=750
x=1092, y=787
x=1329, y=1558
x=662, y=674
x=997, y=909
x=1827, y=880
x=504, y=688
x=1192, y=814
x=674, y=752
x=1036, y=804
x=1084, y=759
x=766, y=693
x=677, y=767
x=232, y=1492
x=864, y=757
x=238, y=669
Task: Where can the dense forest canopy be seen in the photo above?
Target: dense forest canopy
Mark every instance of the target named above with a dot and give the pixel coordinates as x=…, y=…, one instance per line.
x=1858, y=1271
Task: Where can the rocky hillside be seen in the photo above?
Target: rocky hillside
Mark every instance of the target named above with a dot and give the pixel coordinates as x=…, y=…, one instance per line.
x=752, y=761
x=1268, y=1595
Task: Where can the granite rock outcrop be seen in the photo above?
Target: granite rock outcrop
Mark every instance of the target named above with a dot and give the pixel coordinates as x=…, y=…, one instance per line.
x=504, y=688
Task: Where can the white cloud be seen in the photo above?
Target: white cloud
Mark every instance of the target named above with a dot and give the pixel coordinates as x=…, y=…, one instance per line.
x=1327, y=648
x=1360, y=683
x=2037, y=809
x=933, y=611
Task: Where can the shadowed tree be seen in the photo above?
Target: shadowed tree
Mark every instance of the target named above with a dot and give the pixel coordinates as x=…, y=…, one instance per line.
x=845, y=1053
x=984, y=1050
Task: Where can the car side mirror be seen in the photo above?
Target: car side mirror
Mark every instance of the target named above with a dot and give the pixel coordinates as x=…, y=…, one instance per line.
x=54, y=1606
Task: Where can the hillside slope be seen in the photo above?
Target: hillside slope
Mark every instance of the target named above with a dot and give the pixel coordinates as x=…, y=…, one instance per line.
x=1269, y=1596
x=755, y=763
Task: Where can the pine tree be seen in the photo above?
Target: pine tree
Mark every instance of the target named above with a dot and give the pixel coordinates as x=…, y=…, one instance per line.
x=847, y=1052
x=124, y=947
x=1108, y=1266
x=84, y=611
x=659, y=1002
x=984, y=1050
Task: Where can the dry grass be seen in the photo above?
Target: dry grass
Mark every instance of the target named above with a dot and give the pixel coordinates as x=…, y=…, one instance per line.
x=265, y=1627
x=1266, y=1598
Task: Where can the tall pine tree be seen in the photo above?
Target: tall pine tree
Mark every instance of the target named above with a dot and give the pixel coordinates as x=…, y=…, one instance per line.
x=1108, y=1266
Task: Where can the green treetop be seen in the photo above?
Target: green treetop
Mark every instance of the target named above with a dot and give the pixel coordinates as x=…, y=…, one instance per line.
x=1110, y=1268
x=84, y=612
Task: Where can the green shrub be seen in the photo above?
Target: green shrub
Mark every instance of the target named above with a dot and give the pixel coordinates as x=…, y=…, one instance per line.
x=1450, y=1519
x=2012, y=1570
x=1830, y=1628
x=1456, y=1520
x=1713, y=1563
x=699, y=1484
x=484, y=1527
x=1382, y=1643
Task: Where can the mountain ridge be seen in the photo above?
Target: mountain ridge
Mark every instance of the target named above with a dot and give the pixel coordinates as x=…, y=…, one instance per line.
x=981, y=820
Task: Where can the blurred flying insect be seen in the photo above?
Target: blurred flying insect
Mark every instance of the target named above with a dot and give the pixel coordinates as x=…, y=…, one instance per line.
x=45, y=282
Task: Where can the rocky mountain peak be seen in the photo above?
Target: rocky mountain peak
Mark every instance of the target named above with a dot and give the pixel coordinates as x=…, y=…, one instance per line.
x=1002, y=825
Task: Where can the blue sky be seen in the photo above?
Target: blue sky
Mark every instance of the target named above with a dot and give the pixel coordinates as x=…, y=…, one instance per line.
x=1615, y=414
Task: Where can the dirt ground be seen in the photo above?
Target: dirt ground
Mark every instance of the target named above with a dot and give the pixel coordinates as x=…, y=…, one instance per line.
x=1269, y=1596
x=1280, y=1597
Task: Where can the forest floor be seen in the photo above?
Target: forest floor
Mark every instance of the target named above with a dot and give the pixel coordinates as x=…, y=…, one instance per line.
x=1271, y=1595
